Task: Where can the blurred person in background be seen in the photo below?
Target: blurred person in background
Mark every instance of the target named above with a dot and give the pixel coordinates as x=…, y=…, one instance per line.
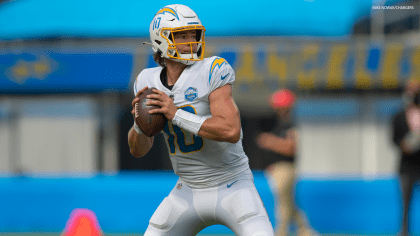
x=203, y=134
x=282, y=141
x=406, y=135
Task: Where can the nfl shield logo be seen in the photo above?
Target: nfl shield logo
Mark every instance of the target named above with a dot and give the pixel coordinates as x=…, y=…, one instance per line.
x=190, y=93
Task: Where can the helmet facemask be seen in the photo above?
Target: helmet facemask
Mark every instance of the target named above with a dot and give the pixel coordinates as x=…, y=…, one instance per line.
x=173, y=52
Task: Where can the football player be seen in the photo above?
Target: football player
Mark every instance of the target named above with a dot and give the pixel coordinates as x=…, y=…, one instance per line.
x=203, y=133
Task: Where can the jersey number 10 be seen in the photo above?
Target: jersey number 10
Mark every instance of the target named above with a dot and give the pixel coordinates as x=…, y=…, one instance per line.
x=180, y=136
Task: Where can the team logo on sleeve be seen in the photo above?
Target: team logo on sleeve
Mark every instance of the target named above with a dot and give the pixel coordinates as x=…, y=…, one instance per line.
x=190, y=94
x=217, y=62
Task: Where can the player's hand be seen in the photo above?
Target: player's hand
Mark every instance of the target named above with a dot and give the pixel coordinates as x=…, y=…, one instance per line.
x=264, y=140
x=413, y=119
x=166, y=104
x=292, y=134
x=135, y=100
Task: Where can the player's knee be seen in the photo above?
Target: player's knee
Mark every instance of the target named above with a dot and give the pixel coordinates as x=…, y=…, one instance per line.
x=260, y=226
x=168, y=212
x=148, y=233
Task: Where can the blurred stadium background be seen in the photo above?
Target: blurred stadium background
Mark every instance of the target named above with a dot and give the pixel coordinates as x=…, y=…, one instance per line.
x=66, y=75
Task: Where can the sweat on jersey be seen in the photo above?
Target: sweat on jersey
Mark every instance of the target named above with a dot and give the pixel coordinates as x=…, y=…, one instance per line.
x=198, y=161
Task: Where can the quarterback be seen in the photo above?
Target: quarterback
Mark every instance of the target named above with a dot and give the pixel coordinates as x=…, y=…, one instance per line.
x=203, y=133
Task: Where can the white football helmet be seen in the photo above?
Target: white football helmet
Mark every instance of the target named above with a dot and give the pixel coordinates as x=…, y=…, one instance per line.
x=169, y=20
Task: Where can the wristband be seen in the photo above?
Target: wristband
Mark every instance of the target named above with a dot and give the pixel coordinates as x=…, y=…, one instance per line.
x=188, y=121
x=412, y=141
x=137, y=128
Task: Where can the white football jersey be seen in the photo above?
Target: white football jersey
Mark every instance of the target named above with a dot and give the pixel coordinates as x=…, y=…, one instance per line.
x=198, y=161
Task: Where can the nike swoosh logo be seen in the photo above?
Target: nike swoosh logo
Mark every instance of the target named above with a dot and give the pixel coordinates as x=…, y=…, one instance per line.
x=229, y=185
x=223, y=77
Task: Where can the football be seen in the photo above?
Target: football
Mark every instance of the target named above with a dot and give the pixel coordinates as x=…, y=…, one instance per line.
x=150, y=124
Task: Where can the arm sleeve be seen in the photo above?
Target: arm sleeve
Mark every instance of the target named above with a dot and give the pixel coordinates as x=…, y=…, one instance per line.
x=221, y=73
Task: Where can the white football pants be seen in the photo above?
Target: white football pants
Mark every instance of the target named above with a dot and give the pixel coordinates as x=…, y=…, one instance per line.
x=235, y=204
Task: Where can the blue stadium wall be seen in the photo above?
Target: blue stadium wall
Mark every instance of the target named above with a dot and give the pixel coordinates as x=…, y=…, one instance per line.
x=125, y=202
